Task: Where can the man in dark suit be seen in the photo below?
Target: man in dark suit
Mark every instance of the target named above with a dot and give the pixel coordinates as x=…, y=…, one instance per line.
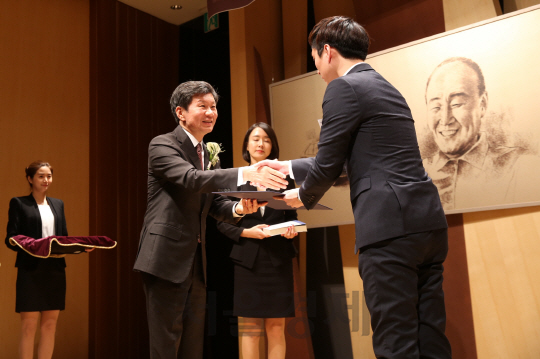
x=401, y=230
x=171, y=252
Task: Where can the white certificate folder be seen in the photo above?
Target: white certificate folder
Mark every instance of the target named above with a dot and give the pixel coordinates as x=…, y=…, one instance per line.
x=267, y=196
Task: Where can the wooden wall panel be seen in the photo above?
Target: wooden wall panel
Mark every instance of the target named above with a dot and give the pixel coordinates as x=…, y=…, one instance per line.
x=324, y=8
x=256, y=62
x=389, y=23
x=44, y=104
x=513, y=5
x=458, y=13
x=295, y=35
x=242, y=99
x=503, y=248
x=134, y=69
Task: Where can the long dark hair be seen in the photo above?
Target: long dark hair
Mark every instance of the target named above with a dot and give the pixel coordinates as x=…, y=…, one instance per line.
x=274, y=153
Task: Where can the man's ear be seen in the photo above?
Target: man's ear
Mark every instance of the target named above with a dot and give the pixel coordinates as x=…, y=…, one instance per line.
x=328, y=51
x=179, y=113
x=483, y=103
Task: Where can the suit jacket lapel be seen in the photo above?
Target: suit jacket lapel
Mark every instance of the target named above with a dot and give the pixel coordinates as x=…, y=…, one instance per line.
x=35, y=208
x=187, y=147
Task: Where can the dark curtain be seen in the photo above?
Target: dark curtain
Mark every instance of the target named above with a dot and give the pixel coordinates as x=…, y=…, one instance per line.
x=133, y=71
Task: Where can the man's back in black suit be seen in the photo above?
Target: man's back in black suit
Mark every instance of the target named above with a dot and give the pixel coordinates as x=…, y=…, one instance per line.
x=401, y=230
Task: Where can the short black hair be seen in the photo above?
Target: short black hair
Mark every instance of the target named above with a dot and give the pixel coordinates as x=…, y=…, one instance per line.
x=465, y=61
x=184, y=93
x=344, y=34
x=274, y=153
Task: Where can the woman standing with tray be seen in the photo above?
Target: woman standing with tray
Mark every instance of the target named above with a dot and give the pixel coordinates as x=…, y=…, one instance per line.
x=41, y=282
x=263, y=272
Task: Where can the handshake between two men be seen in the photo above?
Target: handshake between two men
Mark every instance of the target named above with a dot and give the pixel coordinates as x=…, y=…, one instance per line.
x=270, y=174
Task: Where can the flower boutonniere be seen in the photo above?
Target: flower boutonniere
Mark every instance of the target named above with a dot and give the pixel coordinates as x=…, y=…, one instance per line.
x=214, y=149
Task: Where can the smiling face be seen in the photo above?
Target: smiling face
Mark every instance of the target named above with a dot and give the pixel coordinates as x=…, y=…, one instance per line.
x=200, y=116
x=41, y=180
x=259, y=145
x=455, y=108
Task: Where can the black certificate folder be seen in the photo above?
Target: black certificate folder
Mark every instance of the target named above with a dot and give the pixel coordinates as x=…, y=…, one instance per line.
x=267, y=196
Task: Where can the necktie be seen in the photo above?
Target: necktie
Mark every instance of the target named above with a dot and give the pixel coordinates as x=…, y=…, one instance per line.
x=446, y=183
x=199, y=153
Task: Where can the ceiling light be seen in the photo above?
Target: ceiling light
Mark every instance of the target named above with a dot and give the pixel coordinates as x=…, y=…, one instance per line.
x=176, y=7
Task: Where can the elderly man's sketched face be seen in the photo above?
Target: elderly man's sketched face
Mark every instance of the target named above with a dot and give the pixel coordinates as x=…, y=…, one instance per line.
x=455, y=108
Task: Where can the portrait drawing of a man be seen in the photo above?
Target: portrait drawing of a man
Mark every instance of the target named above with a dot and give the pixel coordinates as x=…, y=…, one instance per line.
x=470, y=167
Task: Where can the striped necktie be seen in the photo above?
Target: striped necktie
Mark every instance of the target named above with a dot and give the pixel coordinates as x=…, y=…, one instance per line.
x=199, y=153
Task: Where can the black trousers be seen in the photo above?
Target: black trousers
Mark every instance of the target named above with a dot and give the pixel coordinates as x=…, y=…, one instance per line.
x=403, y=289
x=176, y=314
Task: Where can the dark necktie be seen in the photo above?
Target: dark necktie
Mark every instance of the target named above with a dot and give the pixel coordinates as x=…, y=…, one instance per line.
x=446, y=183
x=199, y=153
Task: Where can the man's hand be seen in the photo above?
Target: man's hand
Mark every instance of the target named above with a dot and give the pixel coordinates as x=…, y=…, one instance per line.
x=255, y=232
x=281, y=166
x=291, y=198
x=247, y=206
x=265, y=177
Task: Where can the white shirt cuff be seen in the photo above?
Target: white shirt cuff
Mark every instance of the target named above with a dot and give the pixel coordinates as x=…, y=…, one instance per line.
x=240, y=176
x=291, y=174
x=236, y=215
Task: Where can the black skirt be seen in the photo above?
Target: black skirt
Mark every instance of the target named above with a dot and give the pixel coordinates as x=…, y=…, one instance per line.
x=40, y=289
x=264, y=291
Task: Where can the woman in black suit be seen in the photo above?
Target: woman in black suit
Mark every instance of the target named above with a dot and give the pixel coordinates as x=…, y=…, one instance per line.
x=41, y=283
x=263, y=275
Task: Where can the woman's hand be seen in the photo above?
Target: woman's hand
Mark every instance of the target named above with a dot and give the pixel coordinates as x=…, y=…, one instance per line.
x=290, y=234
x=255, y=232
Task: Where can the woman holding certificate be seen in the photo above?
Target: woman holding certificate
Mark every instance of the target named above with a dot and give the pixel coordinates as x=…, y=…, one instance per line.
x=263, y=274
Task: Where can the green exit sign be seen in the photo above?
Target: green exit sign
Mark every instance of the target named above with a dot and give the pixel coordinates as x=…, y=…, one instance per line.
x=212, y=23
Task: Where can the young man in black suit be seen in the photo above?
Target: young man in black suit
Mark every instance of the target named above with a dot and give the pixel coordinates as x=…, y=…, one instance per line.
x=172, y=255
x=401, y=229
